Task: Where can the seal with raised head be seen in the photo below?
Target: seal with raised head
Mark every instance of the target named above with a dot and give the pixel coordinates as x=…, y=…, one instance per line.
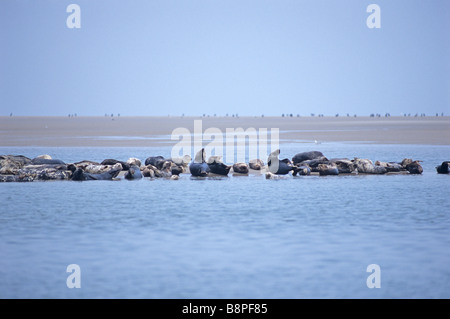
x=134, y=172
x=279, y=167
x=198, y=166
x=216, y=166
x=414, y=167
x=302, y=170
x=443, y=168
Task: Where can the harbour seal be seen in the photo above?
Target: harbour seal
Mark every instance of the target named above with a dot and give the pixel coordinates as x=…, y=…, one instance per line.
x=256, y=164
x=414, y=167
x=45, y=156
x=344, y=165
x=327, y=169
x=443, y=168
x=134, y=172
x=279, y=167
x=9, y=164
x=134, y=161
x=390, y=166
x=365, y=166
x=240, y=168
x=99, y=169
x=198, y=166
x=181, y=161
x=153, y=160
x=306, y=156
x=216, y=166
x=109, y=161
x=80, y=175
x=302, y=170
x=43, y=161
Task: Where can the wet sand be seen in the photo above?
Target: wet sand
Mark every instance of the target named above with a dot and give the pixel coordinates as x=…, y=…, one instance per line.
x=152, y=131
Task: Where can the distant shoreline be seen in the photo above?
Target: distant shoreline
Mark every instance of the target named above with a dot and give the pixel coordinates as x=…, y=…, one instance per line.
x=148, y=131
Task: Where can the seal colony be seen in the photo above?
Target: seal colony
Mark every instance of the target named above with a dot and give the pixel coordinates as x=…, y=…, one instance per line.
x=19, y=168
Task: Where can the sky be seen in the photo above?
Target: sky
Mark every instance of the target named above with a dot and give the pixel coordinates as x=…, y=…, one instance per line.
x=246, y=57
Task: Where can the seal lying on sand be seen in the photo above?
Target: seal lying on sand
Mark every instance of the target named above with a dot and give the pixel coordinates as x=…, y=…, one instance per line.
x=80, y=175
x=344, y=165
x=134, y=161
x=240, y=168
x=43, y=161
x=134, y=172
x=365, y=166
x=216, y=166
x=390, y=166
x=109, y=161
x=198, y=166
x=154, y=160
x=413, y=167
x=327, y=169
x=179, y=164
x=10, y=164
x=307, y=156
x=256, y=164
x=18, y=168
x=31, y=173
x=279, y=167
x=302, y=170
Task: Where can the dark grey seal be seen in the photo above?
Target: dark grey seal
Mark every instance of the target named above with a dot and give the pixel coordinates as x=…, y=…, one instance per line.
x=133, y=172
x=443, y=168
x=279, y=167
x=45, y=161
x=326, y=169
x=302, y=170
x=80, y=175
x=216, y=166
x=198, y=166
x=156, y=161
x=306, y=156
x=109, y=161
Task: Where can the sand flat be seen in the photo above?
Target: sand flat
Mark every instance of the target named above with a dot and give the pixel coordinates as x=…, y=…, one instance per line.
x=150, y=131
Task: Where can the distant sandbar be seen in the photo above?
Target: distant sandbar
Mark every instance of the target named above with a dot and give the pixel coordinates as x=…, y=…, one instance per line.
x=152, y=131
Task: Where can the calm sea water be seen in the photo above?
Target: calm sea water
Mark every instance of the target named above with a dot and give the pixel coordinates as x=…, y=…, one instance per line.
x=235, y=237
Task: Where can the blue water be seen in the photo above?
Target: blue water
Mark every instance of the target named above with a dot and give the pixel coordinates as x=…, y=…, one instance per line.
x=236, y=237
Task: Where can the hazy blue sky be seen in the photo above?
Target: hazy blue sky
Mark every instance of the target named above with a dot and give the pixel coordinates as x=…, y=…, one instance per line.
x=147, y=57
